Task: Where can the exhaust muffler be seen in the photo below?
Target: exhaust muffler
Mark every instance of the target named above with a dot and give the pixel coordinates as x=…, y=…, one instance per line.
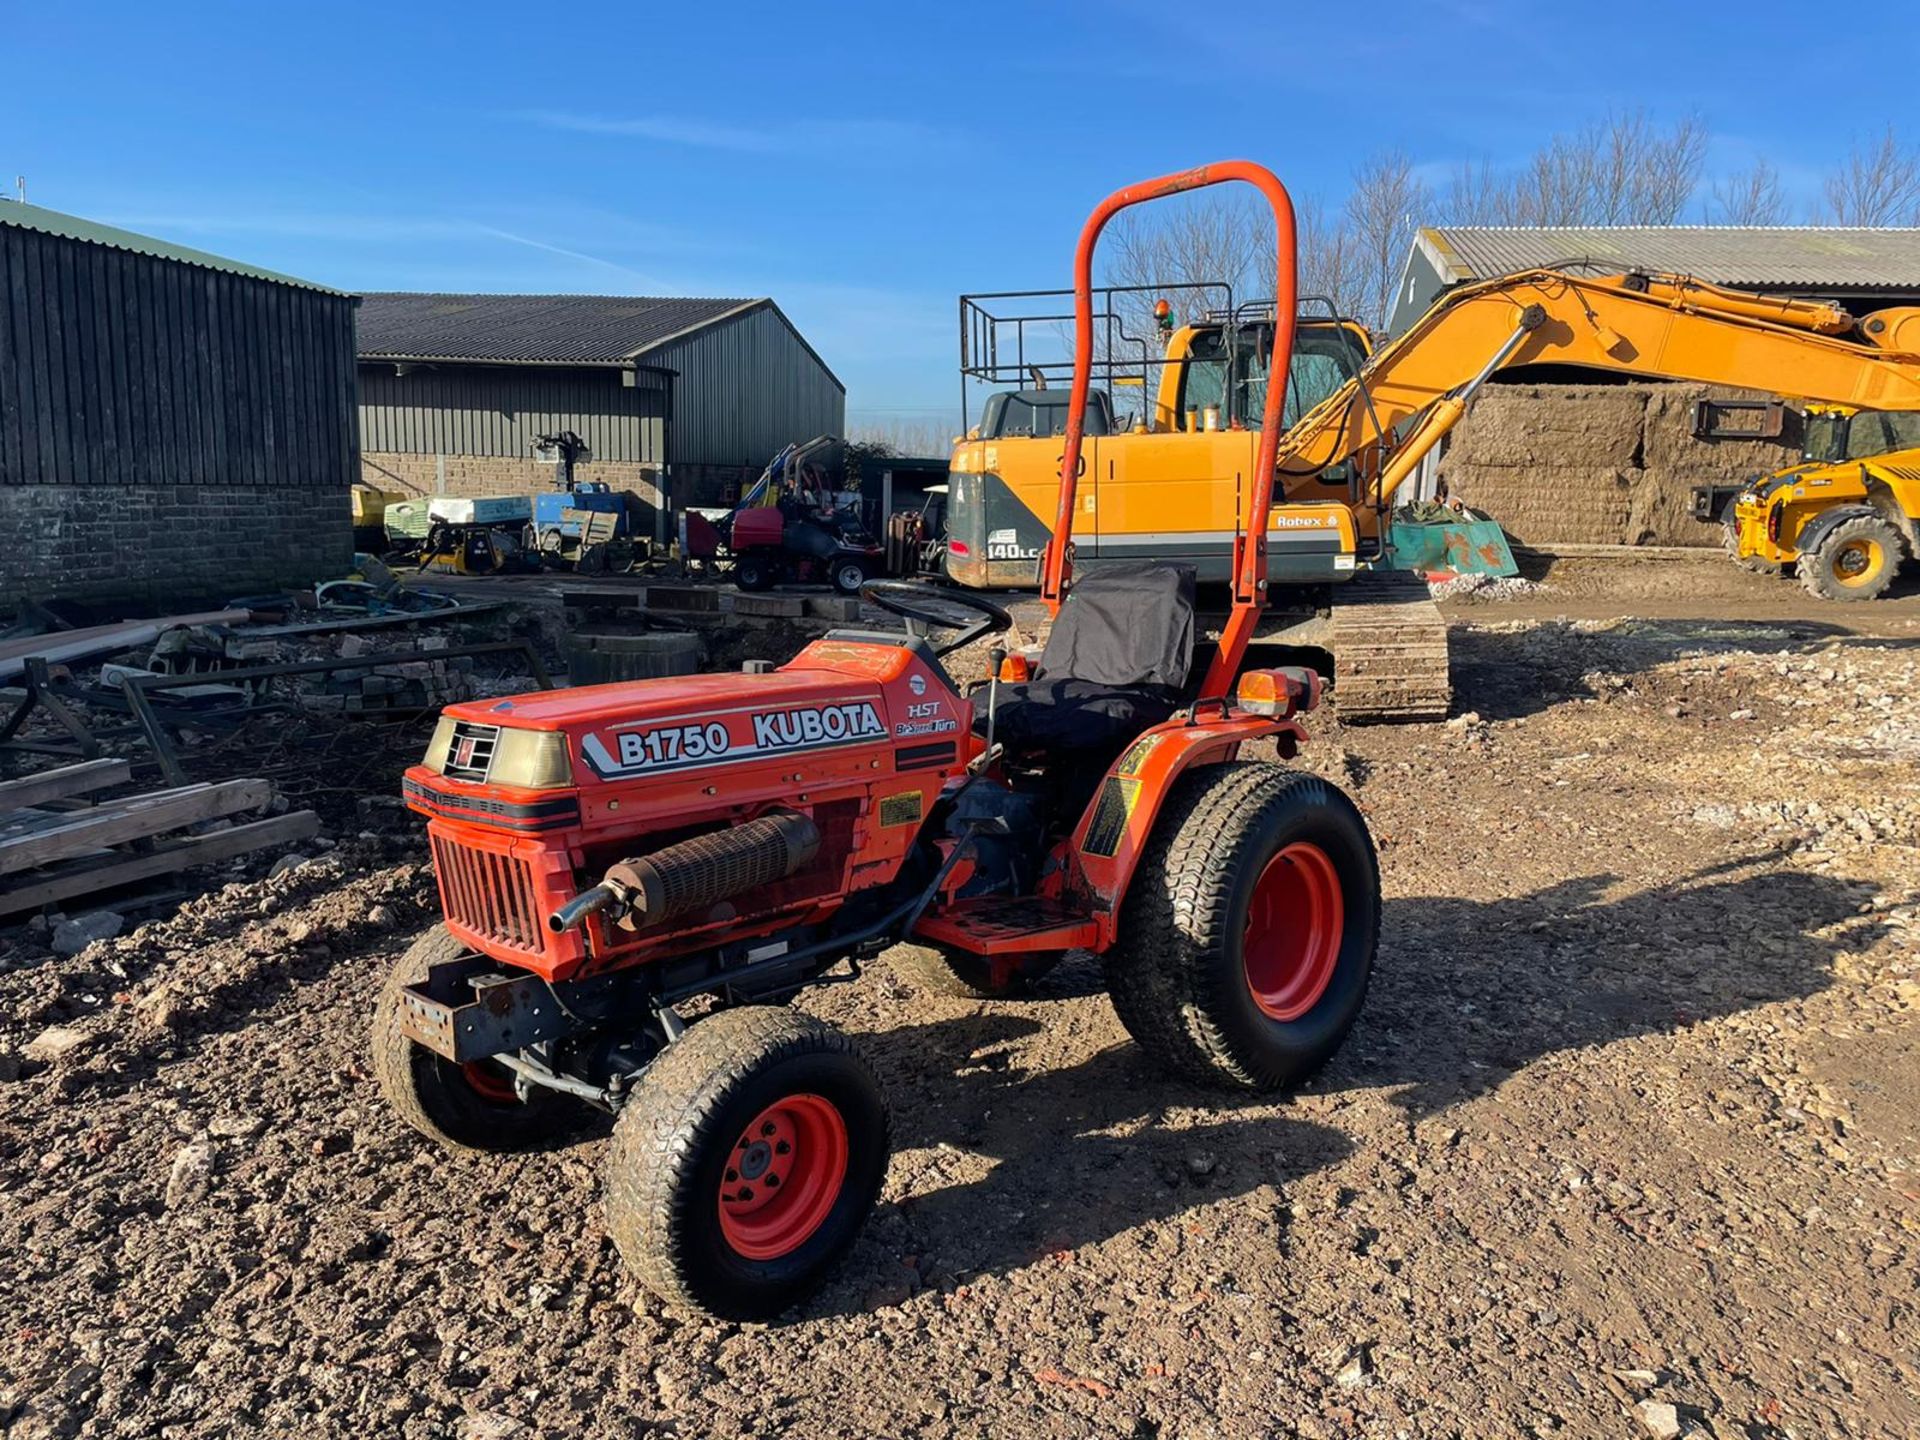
x=697, y=874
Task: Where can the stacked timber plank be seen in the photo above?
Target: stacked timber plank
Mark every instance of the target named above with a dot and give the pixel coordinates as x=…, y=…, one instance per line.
x=1390, y=648
x=55, y=844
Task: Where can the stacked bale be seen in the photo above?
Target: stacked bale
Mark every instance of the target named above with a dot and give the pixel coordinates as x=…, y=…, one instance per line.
x=1598, y=464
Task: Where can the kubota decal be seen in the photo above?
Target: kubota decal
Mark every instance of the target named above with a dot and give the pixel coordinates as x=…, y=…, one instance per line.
x=705, y=742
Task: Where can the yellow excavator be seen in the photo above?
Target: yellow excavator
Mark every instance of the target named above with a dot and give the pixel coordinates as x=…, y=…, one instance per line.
x=1847, y=515
x=1175, y=483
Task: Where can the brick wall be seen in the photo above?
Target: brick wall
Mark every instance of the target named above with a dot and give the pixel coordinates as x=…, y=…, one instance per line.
x=168, y=547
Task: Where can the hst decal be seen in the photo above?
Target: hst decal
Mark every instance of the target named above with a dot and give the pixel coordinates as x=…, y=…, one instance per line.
x=685, y=746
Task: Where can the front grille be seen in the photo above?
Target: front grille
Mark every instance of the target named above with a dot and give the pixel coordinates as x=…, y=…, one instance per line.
x=470, y=755
x=489, y=894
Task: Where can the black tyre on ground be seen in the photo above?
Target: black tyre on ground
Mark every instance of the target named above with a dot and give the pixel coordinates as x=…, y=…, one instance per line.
x=849, y=576
x=1730, y=538
x=1855, y=560
x=754, y=572
x=1248, y=933
x=464, y=1107
x=967, y=976
x=745, y=1162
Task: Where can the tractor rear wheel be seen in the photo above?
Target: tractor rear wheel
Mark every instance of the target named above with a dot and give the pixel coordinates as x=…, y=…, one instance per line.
x=464, y=1107
x=1855, y=560
x=1248, y=933
x=745, y=1162
x=969, y=977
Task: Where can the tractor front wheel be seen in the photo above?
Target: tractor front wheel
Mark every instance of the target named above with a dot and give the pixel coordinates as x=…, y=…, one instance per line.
x=745, y=1162
x=463, y=1107
x=1855, y=560
x=1248, y=933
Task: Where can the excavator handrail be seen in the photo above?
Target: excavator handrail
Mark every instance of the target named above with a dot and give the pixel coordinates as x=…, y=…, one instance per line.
x=1250, y=559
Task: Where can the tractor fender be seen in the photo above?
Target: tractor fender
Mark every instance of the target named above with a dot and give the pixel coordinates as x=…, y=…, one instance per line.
x=1816, y=529
x=1113, y=833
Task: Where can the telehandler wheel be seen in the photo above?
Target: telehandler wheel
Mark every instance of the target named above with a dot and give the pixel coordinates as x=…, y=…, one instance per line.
x=1730, y=538
x=1247, y=936
x=745, y=1162
x=1855, y=560
x=464, y=1107
x=969, y=977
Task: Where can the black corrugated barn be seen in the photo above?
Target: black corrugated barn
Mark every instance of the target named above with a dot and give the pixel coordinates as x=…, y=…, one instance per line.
x=173, y=426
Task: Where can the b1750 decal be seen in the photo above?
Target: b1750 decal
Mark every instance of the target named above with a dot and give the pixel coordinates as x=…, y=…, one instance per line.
x=682, y=746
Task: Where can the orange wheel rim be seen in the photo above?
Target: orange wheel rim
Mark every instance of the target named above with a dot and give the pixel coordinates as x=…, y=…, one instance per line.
x=490, y=1082
x=782, y=1176
x=1295, y=923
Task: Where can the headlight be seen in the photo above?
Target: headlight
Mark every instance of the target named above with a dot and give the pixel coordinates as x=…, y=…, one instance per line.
x=437, y=748
x=531, y=759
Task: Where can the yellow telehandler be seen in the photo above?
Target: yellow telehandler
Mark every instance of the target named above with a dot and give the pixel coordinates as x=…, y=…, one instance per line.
x=1846, y=516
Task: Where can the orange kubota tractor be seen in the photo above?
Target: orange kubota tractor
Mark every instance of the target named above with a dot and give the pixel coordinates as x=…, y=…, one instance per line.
x=606, y=854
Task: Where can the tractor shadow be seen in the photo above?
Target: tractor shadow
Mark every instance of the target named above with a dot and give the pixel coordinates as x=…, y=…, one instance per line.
x=1465, y=994
x=1508, y=674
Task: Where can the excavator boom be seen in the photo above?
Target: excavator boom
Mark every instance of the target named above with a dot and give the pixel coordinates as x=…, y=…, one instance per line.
x=1656, y=327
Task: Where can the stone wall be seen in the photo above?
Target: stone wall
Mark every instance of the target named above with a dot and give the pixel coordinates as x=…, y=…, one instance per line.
x=168, y=547
x=1600, y=464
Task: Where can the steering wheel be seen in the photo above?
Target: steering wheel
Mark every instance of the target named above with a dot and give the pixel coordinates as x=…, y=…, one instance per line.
x=918, y=604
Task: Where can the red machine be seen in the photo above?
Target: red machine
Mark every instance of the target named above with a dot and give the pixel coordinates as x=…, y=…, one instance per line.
x=606, y=854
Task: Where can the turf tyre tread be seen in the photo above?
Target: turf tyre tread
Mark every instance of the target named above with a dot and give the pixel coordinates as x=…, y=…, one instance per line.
x=1163, y=972
x=658, y=1214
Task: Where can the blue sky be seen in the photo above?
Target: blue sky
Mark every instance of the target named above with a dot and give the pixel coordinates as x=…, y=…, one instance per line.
x=862, y=163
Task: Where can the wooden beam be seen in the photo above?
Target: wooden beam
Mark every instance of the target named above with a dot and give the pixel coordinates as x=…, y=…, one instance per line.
x=79, y=779
x=106, y=872
x=36, y=838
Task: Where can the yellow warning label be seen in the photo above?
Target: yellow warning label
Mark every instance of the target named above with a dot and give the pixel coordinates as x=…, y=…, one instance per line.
x=902, y=809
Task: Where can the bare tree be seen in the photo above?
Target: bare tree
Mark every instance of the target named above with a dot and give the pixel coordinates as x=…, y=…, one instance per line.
x=918, y=435
x=1328, y=260
x=1385, y=205
x=1878, y=184
x=1622, y=170
x=1753, y=198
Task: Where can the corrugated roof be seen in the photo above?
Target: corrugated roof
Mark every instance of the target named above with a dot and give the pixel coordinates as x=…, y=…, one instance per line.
x=1803, y=256
x=52, y=222
x=531, y=329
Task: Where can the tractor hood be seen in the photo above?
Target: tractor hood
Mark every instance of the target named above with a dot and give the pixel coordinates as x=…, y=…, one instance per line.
x=839, y=695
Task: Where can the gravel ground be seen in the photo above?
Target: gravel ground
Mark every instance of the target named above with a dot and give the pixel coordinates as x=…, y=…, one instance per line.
x=1624, y=1144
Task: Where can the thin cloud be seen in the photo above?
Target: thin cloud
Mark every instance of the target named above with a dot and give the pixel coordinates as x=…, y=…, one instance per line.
x=790, y=137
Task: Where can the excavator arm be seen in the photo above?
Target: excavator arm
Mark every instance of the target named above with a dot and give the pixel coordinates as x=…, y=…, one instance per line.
x=1660, y=327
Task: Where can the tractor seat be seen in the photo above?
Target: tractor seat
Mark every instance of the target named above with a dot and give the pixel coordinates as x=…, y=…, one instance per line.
x=1115, y=664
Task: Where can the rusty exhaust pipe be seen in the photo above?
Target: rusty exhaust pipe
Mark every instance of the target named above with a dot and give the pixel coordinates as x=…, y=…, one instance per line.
x=699, y=873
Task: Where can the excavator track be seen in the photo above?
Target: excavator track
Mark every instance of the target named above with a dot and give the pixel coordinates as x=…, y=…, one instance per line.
x=1389, y=649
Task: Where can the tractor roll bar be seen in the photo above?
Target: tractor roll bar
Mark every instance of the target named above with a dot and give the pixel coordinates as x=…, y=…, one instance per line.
x=1250, y=547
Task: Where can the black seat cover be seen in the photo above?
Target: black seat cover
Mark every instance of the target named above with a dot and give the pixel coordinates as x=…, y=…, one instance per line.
x=1115, y=664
